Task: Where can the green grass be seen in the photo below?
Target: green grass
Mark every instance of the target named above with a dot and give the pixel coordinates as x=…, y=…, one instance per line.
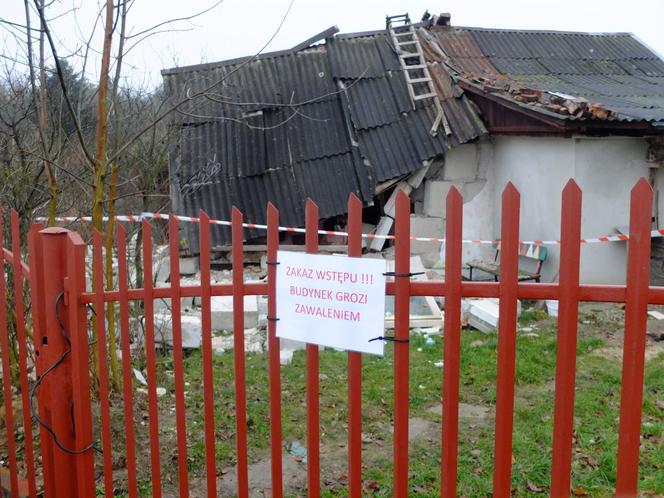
x=596, y=416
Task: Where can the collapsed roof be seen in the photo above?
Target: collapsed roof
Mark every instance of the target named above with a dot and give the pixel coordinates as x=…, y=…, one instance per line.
x=320, y=122
x=324, y=121
x=572, y=80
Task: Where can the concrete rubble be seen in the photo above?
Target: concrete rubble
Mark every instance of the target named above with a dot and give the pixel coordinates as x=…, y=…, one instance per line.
x=424, y=311
x=426, y=315
x=482, y=314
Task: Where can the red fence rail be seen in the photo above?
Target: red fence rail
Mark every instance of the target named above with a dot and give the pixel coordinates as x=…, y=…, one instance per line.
x=59, y=323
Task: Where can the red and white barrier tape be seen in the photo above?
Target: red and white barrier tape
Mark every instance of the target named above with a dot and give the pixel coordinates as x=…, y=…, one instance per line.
x=160, y=216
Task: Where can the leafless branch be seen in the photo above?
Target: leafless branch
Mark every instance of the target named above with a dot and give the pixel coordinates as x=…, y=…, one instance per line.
x=63, y=85
x=178, y=19
x=176, y=106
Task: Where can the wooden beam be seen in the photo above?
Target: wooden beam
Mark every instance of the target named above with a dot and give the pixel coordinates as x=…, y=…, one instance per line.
x=331, y=31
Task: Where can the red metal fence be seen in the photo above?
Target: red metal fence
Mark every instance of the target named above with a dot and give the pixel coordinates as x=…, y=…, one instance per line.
x=59, y=324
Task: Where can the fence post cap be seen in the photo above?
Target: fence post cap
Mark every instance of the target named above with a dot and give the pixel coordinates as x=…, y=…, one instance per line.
x=53, y=231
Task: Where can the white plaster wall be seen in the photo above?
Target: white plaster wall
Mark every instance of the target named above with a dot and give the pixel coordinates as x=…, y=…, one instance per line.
x=478, y=200
x=605, y=169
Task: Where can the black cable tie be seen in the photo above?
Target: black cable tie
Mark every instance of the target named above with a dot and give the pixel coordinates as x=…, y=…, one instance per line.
x=272, y=319
x=40, y=379
x=395, y=274
x=388, y=338
x=272, y=263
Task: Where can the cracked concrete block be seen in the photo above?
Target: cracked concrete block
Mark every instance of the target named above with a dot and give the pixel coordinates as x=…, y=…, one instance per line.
x=189, y=265
x=472, y=189
x=222, y=312
x=191, y=329
x=461, y=163
x=425, y=226
x=435, y=194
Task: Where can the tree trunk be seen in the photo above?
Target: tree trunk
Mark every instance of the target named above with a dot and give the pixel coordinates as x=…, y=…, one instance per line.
x=110, y=306
x=99, y=179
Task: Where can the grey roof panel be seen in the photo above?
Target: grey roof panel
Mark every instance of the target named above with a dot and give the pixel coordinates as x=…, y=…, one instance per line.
x=372, y=102
x=399, y=148
x=517, y=65
x=353, y=58
x=315, y=131
x=304, y=76
x=328, y=183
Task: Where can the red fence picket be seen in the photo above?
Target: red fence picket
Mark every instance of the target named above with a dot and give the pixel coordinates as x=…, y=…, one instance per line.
x=568, y=314
x=127, y=374
x=206, y=340
x=60, y=323
x=313, y=398
x=452, y=345
x=354, y=366
x=508, y=290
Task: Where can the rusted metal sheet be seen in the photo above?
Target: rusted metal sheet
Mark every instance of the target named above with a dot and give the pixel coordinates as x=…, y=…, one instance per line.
x=577, y=76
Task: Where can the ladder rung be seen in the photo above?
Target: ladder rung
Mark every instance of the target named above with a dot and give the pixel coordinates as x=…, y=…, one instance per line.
x=413, y=42
x=425, y=96
x=405, y=33
x=414, y=67
x=411, y=55
x=419, y=80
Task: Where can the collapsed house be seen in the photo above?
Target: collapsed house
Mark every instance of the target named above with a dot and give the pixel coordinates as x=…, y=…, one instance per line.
x=376, y=112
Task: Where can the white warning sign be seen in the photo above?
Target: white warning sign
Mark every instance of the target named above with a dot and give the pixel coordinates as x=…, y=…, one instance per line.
x=333, y=301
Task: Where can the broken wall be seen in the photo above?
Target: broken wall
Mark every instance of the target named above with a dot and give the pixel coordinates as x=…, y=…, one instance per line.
x=468, y=168
x=605, y=168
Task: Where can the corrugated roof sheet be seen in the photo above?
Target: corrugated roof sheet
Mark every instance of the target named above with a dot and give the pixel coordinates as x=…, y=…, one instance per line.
x=373, y=102
x=321, y=123
x=355, y=58
x=394, y=148
x=604, y=68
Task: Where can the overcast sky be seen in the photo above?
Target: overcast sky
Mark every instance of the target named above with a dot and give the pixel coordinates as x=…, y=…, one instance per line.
x=241, y=27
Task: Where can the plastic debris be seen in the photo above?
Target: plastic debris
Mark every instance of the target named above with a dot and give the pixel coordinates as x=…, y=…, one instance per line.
x=298, y=451
x=140, y=377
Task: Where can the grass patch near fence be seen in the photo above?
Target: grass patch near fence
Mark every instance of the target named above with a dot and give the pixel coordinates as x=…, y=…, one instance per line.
x=596, y=416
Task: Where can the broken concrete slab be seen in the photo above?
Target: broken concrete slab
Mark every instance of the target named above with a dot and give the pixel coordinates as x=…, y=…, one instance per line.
x=367, y=228
x=285, y=356
x=424, y=312
x=482, y=314
x=189, y=265
x=425, y=226
x=254, y=342
x=222, y=312
x=386, y=221
x=191, y=329
x=161, y=264
x=383, y=228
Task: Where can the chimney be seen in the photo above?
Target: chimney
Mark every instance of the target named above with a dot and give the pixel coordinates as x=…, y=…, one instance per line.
x=444, y=19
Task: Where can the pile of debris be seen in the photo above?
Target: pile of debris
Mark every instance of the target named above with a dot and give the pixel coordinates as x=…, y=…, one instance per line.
x=560, y=103
x=426, y=313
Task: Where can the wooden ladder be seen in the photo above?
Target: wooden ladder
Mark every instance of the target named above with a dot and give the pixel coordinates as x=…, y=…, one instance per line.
x=415, y=69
